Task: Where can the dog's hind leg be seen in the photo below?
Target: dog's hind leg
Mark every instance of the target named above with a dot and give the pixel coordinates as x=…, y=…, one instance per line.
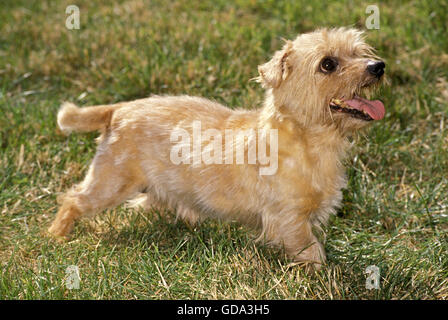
x=106, y=185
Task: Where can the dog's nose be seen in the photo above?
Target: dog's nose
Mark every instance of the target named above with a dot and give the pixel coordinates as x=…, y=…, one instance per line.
x=376, y=68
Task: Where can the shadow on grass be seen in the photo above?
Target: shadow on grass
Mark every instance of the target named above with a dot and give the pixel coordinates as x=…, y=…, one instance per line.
x=153, y=229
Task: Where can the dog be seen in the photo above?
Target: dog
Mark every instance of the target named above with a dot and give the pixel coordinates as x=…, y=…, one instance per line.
x=317, y=89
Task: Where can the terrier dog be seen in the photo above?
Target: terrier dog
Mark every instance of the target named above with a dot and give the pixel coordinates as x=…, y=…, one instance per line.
x=313, y=104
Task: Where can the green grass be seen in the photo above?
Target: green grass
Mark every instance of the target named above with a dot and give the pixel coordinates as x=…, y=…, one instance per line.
x=394, y=214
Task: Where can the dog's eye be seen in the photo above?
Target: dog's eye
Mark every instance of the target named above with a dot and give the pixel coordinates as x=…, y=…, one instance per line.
x=328, y=65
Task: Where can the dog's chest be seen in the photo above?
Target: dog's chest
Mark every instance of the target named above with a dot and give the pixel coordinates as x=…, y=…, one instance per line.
x=313, y=185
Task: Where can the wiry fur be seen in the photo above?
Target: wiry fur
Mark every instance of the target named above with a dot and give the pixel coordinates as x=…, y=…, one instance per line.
x=133, y=153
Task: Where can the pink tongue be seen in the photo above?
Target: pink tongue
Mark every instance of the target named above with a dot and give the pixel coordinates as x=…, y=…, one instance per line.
x=375, y=108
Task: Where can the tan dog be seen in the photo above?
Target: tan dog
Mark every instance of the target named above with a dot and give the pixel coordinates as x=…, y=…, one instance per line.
x=312, y=104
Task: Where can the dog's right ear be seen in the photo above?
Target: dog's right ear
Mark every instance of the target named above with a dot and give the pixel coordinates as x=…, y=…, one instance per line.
x=273, y=72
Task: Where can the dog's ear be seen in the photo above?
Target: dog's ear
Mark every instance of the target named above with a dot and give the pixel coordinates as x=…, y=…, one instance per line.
x=273, y=72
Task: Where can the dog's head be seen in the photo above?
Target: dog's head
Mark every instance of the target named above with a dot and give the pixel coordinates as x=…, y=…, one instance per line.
x=326, y=77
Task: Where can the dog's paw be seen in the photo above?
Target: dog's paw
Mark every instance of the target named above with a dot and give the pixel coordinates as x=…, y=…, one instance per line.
x=59, y=232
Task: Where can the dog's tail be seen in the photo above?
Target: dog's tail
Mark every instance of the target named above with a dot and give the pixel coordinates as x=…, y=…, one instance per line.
x=71, y=118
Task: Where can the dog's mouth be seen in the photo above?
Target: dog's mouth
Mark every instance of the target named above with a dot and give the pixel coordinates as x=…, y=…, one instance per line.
x=359, y=108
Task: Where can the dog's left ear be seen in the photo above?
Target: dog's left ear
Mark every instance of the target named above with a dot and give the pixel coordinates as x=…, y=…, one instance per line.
x=273, y=72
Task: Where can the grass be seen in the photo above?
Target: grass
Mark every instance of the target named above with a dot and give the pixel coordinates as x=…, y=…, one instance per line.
x=395, y=207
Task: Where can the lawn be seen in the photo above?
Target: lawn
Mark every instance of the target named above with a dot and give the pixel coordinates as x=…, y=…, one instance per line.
x=395, y=208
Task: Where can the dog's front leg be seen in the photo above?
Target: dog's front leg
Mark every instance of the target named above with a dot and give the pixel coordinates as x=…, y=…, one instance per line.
x=304, y=247
x=294, y=233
